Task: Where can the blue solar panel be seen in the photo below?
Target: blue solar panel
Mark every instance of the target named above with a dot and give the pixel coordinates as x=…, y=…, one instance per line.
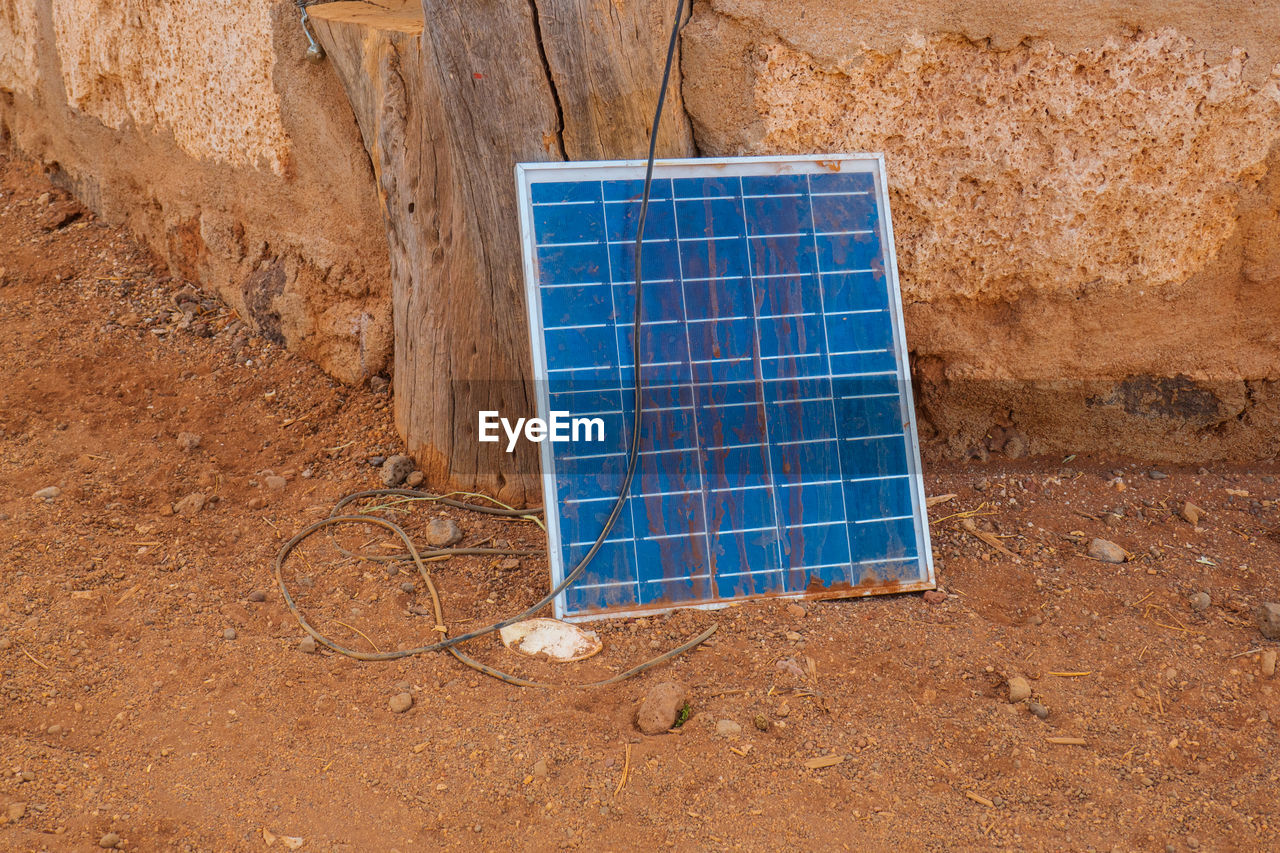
x=778, y=446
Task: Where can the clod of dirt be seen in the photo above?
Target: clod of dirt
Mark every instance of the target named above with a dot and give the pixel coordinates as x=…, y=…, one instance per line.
x=796, y=611
x=1040, y=711
x=1191, y=513
x=188, y=441
x=258, y=595
x=1267, y=618
x=48, y=493
x=191, y=504
x=761, y=722
x=229, y=634
x=935, y=596
x=60, y=215
x=110, y=841
x=401, y=702
x=660, y=707
x=1106, y=551
x=16, y=811
x=1269, y=663
x=1199, y=601
x=442, y=532
x=307, y=645
x=275, y=483
x=540, y=768
x=415, y=479
x=727, y=728
x=1019, y=689
x=395, y=470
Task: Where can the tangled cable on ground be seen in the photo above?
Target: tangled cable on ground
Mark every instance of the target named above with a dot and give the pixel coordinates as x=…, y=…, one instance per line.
x=418, y=558
x=412, y=553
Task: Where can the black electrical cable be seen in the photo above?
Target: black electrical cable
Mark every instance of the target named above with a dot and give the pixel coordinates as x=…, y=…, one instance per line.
x=624, y=491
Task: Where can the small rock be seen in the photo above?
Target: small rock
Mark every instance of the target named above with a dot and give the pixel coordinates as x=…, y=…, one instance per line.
x=1267, y=618
x=395, y=469
x=110, y=841
x=307, y=645
x=796, y=611
x=54, y=730
x=1192, y=513
x=415, y=479
x=789, y=666
x=442, y=532
x=188, y=441
x=376, y=461
x=1269, y=663
x=258, y=595
x=660, y=707
x=16, y=811
x=1039, y=710
x=229, y=634
x=378, y=384
x=191, y=504
x=1199, y=601
x=408, y=586
x=935, y=596
x=540, y=768
x=26, y=776
x=1193, y=843
x=727, y=728
x=1019, y=689
x=275, y=483
x=794, y=637
x=401, y=702
x=1107, y=551
x=1156, y=475
x=48, y=493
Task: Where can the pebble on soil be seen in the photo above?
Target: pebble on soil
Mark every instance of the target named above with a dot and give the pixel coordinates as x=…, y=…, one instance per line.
x=660, y=707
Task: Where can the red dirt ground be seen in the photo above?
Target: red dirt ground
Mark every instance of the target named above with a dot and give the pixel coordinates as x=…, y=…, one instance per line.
x=125, y=709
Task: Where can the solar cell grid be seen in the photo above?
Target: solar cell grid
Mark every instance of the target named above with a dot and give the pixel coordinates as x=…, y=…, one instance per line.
x=777, y=446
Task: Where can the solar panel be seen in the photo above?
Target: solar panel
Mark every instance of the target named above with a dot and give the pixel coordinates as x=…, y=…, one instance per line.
x=778, y=452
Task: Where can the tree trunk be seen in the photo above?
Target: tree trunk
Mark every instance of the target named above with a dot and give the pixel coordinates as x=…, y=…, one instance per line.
x=446, y=112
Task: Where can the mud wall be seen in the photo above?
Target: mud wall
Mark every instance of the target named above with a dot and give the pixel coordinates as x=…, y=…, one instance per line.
x=202, y=128
x=1085, y=200
x=1086, y=195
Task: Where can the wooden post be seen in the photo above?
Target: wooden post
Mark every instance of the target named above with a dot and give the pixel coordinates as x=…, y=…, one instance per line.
x=446, y=111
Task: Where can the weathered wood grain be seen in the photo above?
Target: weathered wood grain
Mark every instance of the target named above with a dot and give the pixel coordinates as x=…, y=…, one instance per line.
x=446, y=111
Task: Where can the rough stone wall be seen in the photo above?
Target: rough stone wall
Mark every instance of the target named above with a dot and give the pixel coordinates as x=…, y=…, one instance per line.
x=1086, y=193
x=202, y=128
x=1084, y=200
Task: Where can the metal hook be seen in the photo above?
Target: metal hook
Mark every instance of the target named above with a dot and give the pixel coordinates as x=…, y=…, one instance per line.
x=315, y=53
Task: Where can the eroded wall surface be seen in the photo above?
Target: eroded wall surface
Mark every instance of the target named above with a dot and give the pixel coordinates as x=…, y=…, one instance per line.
x=201, y=127
x=1084, y=197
